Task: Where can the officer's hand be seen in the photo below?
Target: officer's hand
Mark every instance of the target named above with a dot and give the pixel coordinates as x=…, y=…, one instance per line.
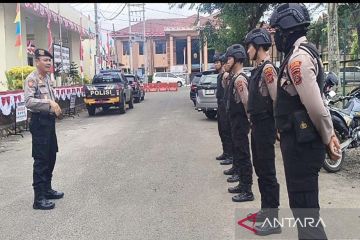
x=277, y=135
x=334, y=149
x=55, y=107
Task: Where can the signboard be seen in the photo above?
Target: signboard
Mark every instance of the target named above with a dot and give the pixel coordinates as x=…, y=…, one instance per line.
x=177, y=68
x=65, y=52
x=21, y=112
x=72, y=100
x=97, y=64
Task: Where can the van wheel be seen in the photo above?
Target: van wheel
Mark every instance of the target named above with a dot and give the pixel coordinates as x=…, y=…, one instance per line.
x=179, y=84
x=158, y=82
x=91, y=110
x=210, y=114
x=131, y=102
x=122, y=105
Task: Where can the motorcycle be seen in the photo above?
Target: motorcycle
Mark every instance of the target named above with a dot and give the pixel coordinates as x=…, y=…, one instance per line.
x=346, y=123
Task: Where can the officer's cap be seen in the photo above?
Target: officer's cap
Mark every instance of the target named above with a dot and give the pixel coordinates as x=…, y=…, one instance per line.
x=42, y=53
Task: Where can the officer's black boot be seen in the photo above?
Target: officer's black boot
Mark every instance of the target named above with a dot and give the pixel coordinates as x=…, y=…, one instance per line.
x=234, y=178
x=270, y=224
x=260, y=216
x=244, y=195
x=229, y=171
x=52, y=194
x=227, y=161
x=223, y=156
x=235, y=189
x=40, y=202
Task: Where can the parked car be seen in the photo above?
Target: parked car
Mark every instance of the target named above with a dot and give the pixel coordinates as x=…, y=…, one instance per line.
x=206, y=95
x=108, y=89
x=248, y=70
x=193, y=87
x=195, y=81
x=167, y=77
x=352, y=74
x=138, y=91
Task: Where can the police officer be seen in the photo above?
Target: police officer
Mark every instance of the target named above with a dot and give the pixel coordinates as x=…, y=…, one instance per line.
x=262, y=94
x=305, y=125
x=40, y=100
x=236, y=107
x=223, y=123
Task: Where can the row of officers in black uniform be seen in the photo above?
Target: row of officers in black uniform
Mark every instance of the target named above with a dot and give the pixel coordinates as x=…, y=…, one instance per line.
x=284, y=104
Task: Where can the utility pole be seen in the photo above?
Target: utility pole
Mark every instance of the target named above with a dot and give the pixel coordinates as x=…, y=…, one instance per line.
x=130, y=35
x=116, y=52
x=144, y=45
x=97, y=36
x=135, y=16
x=333, y=39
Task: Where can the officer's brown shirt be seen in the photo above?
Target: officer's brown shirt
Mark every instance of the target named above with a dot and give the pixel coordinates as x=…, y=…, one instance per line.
x=299, y=78
x=241, y=88
x=268, y=82
x=38, y=92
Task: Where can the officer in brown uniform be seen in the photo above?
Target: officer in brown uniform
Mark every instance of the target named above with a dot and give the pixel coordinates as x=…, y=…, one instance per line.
x=223, y=122
x=40, y=100
x=305, y=126
x=236, y=107
x=262, y=94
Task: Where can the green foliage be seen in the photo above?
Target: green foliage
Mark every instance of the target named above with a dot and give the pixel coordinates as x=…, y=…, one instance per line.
x=150, y=78
x=74, y=76
x=355, y=46
x=15, y=75
x=232, y=23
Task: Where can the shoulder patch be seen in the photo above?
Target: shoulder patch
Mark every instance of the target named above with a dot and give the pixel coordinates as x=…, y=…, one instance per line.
x=295, y=72
x=31, y=82
x=239, y=85
x=269, y=75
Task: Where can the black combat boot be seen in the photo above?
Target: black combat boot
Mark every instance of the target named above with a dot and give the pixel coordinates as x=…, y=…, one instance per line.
x=234, y=178
x=227, y=161
x=52, y=194
x=270, y=225
x=229, y=171
x=260, y=216
x=244, y=195
x=40, y=202
x=223, y=156
x=235, y=189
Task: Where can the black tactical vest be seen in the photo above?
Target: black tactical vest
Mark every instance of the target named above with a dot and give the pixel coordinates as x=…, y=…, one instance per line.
x=219, y=89
x=231, y=106
x=257, y=103
x=286, y=104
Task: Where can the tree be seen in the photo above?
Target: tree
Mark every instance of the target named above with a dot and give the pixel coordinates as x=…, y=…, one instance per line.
x=231, y=23
x=74, y=74
x=333, y=44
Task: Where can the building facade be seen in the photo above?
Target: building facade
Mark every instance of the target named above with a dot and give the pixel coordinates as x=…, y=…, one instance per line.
x=34, y=31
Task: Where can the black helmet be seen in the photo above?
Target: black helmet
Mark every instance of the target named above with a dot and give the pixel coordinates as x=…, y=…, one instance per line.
x=237, y=51
x=258, y=36
x=223, y=59
x=331, y=79
x=216, y=58
x=290, y=15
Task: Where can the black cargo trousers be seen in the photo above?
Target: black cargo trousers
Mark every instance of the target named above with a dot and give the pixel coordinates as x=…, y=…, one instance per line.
x=44, y=149
x=263, y=137
x=224, y=128
x=302, y=163
x=240, y=128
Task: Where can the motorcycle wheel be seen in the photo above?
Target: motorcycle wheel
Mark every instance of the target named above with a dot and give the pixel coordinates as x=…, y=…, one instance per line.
x=334, y=166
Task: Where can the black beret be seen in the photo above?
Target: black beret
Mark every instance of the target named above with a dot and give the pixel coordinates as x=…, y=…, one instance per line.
x=42, y=53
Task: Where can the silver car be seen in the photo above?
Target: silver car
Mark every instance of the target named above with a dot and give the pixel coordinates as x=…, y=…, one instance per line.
x=206, y=95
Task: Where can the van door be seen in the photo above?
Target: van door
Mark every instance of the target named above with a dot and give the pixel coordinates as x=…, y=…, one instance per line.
x=172, y=78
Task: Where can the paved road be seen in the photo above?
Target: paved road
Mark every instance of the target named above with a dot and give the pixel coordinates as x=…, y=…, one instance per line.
x=148, y=174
